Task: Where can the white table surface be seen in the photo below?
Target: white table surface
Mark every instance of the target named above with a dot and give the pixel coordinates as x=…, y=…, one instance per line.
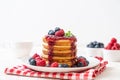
x=112, y=71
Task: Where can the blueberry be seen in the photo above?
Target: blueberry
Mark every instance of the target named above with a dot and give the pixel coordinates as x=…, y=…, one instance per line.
x=97, y=46
x=95, y=42
x=60, y=65
x=32, y=61
x=80, y=64
x=92, y=43
x=63, y=65
x=51, y=32
x=80, y=57
x=88, y=45
x=91, y=46
x=101, y=45
x=87, y=62
x=57, y=29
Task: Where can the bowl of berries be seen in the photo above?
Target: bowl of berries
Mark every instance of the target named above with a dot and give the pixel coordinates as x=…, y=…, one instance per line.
x=112, y=51
x=95, y=48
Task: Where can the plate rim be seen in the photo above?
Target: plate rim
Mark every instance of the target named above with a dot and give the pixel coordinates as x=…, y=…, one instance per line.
x=69, y=69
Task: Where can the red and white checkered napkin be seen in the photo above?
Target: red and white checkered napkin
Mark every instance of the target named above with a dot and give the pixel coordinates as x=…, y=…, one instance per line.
x=89, y=74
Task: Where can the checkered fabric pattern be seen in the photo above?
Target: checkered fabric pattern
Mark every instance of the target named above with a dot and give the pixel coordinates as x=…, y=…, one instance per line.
x=89, y=74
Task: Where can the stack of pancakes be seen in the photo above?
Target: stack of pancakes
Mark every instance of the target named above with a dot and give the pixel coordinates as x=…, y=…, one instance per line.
x=61, y=50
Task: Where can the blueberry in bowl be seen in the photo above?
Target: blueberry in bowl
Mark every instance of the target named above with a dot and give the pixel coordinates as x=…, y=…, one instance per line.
x=95, y=48
x=95, y=44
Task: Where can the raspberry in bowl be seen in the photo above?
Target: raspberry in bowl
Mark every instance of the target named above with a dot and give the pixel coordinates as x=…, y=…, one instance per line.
x=95, y=48
x=112, y=50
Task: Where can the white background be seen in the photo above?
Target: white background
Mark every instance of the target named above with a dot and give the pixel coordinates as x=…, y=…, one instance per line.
x=89, y=20
x=30, y=20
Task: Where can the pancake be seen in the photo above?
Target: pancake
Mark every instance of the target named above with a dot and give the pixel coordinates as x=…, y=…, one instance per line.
x=57, y=57
x=67, y=53
x=61, y=49
x=64, y=42
x=62, y=60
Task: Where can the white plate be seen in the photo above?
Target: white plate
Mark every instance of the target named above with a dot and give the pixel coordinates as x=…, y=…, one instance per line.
x=92, y=63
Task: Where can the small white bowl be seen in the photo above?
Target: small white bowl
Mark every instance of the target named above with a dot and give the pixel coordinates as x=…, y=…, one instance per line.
x=21, y=49
x=92, y=52
x=111, y=55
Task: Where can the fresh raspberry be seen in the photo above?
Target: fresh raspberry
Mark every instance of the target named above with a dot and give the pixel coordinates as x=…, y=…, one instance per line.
x=54, y=64
x=84, y=62
x=115, y=48
x=110, y=44
x=117, y=45
x=99, y=58
x=60, y=33
x=50, y=38
x=81, y=59
x=40, y=63
x=35, y=55
x=108, y=47
x=105, y=47
x=38, y=58
x=113, y=40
